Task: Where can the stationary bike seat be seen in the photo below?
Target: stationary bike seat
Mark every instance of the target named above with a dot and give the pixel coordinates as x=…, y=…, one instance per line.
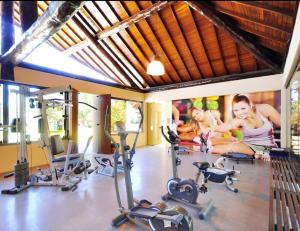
x=201, y=165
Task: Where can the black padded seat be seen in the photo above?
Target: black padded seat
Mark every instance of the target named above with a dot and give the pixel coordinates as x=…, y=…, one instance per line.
x=202, y=165
x=63, y=158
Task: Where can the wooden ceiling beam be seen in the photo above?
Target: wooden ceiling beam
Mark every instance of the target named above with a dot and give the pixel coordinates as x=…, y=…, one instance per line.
x=112, y=48
x=261, y=34
x=133, y=19
x=119, y=42
x=186, y=41
x=128, y=39
x=212, y=15
x=155, y=45
x=203, y=44
x=220, y=49
x=242, y=17
x=102, y=51
x=76, y=47
x=232, y=77
x=56, y=15
x=268, y=8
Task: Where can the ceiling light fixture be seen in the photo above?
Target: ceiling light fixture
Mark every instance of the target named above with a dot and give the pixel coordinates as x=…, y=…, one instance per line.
x=155, y=68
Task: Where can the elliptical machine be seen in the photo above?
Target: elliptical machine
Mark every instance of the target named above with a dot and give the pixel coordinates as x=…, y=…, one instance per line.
x=185, y=191
x=157, y=216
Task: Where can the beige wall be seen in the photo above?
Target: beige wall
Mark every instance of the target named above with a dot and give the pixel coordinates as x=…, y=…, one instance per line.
x=27, y=76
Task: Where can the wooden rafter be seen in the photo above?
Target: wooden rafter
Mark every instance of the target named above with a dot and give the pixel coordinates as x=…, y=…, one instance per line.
x=133, y=19
x=56, y=15
x=212, y=15
x=242, y=17
x=78, y=46
x=102, y=51
x=232, y=77
x=261, y=34
x=175, y=47
x=136, y=63
x=186, y=42
x=155, y=46
x=203, y=44
x=111, y=46
x=129, y=40
x=135, y=32
x=220, y=49
x=268, y=8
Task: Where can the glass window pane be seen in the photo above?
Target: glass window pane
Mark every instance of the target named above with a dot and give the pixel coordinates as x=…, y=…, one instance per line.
x=14, y=113
x=56, y=116
x=295, y=116
x=86, y=119
x=127, y=112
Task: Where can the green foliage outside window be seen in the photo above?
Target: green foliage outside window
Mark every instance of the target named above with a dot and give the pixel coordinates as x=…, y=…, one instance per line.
x=118, y=112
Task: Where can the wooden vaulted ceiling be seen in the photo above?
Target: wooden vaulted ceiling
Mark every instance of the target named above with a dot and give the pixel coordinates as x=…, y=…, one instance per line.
x=189, y=45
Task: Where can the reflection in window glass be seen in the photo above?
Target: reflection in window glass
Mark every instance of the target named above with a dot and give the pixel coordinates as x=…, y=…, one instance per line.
x=295, y=117
x=125, y=111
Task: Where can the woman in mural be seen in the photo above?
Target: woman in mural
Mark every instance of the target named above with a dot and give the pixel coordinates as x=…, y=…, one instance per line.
x=202, y=122
x=255, y=123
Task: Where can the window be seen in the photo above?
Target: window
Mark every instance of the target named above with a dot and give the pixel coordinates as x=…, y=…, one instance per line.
x=125, y=111
x=86, y=119
x=295, y=114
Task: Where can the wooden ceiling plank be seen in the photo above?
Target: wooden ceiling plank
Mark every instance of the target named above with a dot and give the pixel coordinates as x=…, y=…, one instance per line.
x=236, y=47
x=154, y=44
x=101, y=50
x=163, y=37
x=187, y=45
x=137, y=37
x=102, y=66
x=175, y=48
x=262, y=34
x=128, y=39
x=122, y=46
x=278, y=28
x=121, y=25
x=41, y=30
x=264, y=7
x=212, y=15
x=77, y=47
x=221, y=50
x=92, y=60
x=114, y=51
x=202, y=42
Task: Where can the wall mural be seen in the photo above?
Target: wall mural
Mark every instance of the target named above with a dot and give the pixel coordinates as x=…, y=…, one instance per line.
x=244, y=123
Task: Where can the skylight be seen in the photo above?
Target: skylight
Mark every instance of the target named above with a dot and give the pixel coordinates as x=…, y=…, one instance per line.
x=47, y=56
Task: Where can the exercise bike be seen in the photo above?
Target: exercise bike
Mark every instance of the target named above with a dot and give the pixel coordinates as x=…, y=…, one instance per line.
x=185, y=191
x=157, y=216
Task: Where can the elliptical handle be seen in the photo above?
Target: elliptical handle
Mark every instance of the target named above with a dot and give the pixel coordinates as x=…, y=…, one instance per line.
x=132, y=151
x=107, y=133
x=164, y=135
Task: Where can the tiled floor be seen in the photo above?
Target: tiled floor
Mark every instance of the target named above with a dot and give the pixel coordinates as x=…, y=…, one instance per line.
x=93, y=204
